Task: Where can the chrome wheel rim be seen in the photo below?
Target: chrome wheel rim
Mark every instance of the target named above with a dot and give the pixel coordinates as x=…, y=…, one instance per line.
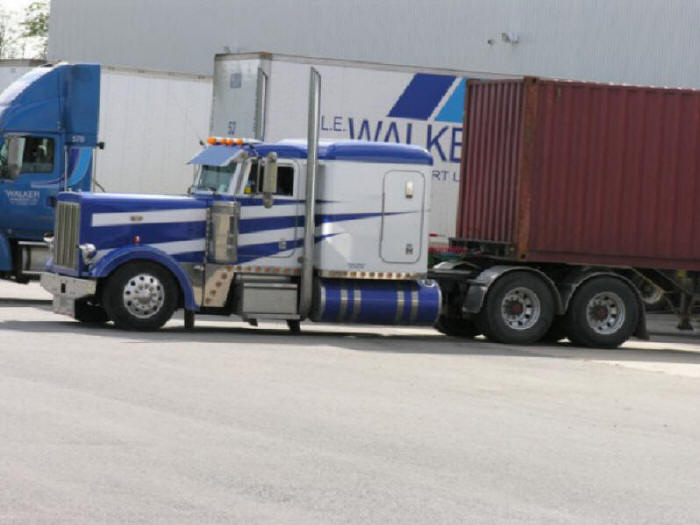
x=605, y=313
x=520, y=308
x=143, y=296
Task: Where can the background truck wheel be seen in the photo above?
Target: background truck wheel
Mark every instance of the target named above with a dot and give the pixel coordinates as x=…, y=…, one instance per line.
x=140, y=296
x=89, y=313
x=456, y=327
x=603, y=313
x=518, y=309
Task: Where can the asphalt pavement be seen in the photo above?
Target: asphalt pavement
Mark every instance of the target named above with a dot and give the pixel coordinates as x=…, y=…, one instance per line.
x=235, y=424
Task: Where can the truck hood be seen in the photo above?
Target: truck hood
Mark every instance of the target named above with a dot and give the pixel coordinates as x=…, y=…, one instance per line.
x=173, y=224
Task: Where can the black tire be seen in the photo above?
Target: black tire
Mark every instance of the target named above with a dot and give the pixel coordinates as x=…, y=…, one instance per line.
x=492, y=320
x=89, y=313
x=613, y=329
x=557, y=331
x=162, y=293
x=294, y=326
x=456, y=327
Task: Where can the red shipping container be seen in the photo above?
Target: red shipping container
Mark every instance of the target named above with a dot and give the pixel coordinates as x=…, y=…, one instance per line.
x=582, y=173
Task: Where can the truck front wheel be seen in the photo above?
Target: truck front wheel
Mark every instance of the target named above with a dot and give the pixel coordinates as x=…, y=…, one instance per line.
x=518, y=309
x=603, y=313
x=140, y=296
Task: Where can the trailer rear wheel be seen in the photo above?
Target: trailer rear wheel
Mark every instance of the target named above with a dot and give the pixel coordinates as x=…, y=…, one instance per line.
x=603, y=313
x=518, y=309
x=456, y=327
x=140, y=296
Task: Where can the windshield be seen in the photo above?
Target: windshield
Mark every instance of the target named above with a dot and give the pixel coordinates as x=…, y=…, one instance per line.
x=216, y=178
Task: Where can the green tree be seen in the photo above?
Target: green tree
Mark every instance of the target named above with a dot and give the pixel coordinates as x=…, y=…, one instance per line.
x=36, y=24
x=8, y=36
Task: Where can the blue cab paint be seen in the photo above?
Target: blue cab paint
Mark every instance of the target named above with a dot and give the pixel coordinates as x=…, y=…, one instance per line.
x=59, y=103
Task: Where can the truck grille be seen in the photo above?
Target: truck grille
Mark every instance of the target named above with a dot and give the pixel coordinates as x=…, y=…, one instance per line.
x=66, y=234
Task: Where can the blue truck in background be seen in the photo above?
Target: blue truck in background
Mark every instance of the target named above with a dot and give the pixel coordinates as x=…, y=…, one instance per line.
x=48, y=134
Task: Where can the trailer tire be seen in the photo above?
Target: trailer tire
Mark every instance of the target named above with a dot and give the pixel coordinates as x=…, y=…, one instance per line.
x=456, y=327
x=603, y=313
x=140, y=295
x=89, y=313
x=518, y=309
x=557, y=331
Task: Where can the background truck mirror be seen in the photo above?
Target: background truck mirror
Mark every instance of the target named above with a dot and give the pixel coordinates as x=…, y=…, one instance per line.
x=15, y=153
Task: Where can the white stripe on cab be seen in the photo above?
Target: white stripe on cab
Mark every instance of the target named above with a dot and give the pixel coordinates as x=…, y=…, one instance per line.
x=148, y=217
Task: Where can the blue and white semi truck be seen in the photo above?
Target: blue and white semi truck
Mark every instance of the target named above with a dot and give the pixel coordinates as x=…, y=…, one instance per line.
x=334, y=232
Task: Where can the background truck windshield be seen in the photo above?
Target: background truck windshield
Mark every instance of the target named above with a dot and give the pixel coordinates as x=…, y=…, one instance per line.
x=216, y=178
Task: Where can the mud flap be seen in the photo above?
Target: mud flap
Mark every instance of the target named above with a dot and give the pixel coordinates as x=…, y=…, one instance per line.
x=5, y=254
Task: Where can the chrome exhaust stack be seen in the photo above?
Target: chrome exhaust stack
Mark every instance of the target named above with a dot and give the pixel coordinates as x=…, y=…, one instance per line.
x=307, y=268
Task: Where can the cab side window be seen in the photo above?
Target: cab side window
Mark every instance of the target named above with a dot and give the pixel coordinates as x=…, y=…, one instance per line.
x=20, y=154
x=254, y=179
x=285, y=180
x=38, y=155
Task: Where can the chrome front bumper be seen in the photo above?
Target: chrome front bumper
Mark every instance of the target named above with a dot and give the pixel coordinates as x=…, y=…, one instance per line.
x=66, y=290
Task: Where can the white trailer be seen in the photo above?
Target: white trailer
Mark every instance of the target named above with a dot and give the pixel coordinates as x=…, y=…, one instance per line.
x=264, y=96
x=151, y=123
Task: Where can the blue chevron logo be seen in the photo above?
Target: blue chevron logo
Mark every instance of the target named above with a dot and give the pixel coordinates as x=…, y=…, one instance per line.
x=428, y=95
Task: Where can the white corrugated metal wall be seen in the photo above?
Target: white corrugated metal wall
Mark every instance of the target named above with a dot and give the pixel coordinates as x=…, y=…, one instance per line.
x=635, y=41
x=151, y=124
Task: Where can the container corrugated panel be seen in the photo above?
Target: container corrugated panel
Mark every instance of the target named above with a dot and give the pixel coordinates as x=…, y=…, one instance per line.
x=596, y=173
x=489, y=176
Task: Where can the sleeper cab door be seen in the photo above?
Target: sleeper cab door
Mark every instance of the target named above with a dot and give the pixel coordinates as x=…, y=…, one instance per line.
x=402, y=218
x=274, y=231
x=30, y=190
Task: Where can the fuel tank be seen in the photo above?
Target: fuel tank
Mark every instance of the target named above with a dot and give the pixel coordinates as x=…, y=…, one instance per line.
x=376, y=302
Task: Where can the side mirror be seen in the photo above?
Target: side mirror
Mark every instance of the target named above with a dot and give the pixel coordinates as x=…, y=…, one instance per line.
x=15, y=152
x=269, y=185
